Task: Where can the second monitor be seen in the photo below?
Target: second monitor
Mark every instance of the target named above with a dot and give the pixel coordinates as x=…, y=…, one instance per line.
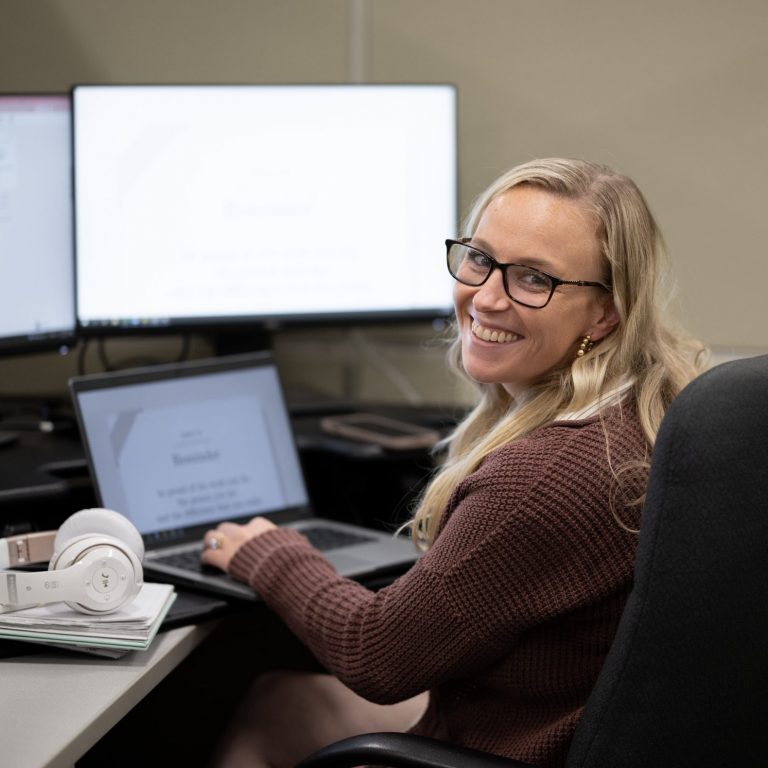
x=37, y=296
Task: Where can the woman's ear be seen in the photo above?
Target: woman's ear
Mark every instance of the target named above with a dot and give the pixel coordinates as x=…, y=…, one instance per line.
x=606, y=321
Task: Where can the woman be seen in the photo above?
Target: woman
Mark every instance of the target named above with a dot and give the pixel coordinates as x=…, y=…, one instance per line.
x=529, y=526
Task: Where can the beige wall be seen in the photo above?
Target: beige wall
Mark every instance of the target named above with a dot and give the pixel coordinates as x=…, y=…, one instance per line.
x=672, y=92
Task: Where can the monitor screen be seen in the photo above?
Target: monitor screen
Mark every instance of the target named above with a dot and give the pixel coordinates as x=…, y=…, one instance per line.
x=37, y=308
x=212, y=205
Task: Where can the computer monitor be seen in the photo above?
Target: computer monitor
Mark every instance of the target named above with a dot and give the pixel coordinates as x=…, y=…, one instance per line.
x=204, y=206
x=37, y=304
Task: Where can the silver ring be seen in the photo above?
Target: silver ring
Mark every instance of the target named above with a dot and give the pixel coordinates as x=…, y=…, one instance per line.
x=215, y=542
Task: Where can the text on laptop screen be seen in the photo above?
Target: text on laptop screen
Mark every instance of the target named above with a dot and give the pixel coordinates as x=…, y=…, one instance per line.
x=179, y=452
x=228, y=204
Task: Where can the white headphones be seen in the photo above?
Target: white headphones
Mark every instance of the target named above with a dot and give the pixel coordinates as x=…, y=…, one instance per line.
x=94, y=564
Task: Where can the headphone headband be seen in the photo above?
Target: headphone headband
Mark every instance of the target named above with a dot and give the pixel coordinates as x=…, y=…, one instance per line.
x=26, y=549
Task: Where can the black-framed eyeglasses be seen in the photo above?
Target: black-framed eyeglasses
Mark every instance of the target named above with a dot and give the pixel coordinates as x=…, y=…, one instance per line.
x=524, y=285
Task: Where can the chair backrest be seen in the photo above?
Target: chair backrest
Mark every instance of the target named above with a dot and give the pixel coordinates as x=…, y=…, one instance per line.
x=686, y=680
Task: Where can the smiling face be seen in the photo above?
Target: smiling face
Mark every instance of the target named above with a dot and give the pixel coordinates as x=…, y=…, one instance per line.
x=516, y=346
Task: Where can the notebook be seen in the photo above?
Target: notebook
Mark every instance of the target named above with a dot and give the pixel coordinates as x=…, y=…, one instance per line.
x=179, y=448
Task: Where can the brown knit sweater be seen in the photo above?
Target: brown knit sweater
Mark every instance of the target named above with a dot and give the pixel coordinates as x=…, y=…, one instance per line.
x=506, y=619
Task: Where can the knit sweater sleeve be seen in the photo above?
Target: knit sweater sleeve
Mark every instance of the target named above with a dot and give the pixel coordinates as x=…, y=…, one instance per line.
x=528, y=537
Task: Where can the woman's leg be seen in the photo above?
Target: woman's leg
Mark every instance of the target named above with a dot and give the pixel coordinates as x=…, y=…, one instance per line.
x=288, y=715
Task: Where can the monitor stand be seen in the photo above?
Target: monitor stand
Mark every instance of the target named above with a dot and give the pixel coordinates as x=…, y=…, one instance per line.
x=241, y=341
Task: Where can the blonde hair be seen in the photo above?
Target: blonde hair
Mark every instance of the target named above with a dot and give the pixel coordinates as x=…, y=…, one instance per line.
x=643, y=347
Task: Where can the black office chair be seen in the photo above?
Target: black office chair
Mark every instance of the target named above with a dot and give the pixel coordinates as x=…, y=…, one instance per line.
x=685, y=683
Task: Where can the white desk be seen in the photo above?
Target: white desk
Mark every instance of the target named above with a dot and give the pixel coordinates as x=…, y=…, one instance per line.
x=55, y=706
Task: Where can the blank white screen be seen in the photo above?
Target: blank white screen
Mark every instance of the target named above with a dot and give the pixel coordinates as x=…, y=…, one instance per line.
x=36, y=249
x=228, y=202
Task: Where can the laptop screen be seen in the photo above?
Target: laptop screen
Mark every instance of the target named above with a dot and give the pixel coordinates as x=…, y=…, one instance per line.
x=183, y=447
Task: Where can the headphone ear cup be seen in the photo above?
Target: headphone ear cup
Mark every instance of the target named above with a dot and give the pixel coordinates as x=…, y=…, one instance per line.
x=108, y=550
x=98, y=521
x=103, y=572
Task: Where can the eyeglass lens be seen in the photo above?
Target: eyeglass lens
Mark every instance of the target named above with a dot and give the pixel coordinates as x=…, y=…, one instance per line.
x=523, y=284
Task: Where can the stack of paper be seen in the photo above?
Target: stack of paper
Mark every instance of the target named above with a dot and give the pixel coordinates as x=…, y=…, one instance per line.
x=131, y=627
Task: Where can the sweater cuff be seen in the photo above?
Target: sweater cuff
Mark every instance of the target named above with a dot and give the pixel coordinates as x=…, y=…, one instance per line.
x=263, y=560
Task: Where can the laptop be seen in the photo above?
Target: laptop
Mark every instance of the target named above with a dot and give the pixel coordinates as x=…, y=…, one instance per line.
x=178, y=448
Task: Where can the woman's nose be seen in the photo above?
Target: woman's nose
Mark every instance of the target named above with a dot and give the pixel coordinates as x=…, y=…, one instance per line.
x=491, y=294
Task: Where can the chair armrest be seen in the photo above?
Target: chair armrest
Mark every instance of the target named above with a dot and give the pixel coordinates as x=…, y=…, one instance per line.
x=403, y=750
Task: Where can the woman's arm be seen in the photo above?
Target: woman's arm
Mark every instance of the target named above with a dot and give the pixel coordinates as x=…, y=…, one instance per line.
x=529, y=537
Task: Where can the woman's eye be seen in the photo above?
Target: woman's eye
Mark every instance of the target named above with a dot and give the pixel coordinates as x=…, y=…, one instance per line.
x=478, y=260
x=533, y=281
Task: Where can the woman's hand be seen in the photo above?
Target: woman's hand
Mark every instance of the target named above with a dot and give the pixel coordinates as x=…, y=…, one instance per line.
x=220, y=545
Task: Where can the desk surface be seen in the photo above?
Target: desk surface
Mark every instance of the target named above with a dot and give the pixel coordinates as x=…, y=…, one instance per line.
x=56, y=706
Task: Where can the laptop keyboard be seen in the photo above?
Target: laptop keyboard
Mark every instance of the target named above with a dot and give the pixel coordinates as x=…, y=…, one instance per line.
x=320, y=537
x=331, y=538
x=188, y=560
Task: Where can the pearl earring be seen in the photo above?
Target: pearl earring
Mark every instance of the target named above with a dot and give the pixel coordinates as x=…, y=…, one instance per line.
x=585, y=346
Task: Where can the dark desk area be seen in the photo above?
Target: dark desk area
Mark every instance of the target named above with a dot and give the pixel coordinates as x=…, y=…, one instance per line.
x=209, y=649
x=39, y=470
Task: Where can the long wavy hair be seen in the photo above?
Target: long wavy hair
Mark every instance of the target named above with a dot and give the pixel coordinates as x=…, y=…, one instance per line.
x=644, y=347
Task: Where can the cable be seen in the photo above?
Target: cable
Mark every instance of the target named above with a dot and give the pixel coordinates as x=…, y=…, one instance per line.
x=134, y=362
